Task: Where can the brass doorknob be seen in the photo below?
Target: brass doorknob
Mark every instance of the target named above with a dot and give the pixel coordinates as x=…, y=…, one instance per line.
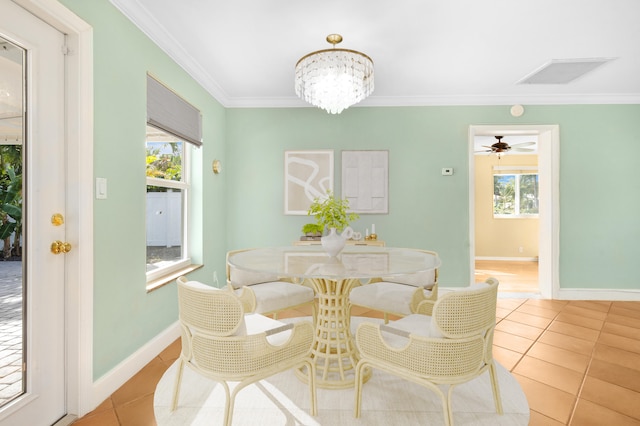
x=58, y=247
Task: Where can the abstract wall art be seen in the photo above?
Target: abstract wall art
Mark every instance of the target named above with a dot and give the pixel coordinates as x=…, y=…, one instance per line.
x=307, y=175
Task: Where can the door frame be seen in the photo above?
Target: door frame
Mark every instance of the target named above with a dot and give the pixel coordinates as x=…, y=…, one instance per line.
x=79, y=208
x=549, y=218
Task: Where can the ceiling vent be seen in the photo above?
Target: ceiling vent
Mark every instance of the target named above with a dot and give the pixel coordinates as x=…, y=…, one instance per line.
x=563, y=71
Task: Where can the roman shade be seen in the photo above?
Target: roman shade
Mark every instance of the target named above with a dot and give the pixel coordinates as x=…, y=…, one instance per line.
x=169, y=112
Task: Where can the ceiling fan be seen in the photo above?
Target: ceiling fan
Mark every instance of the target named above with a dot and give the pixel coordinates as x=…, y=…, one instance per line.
x=502, y=147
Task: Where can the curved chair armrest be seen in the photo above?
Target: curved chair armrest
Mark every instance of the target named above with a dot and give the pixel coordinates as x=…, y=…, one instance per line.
x=396, y=331
x=420, y=304
x=247, y=297
x=279, y=329
x=441, y=360
x=425, y=307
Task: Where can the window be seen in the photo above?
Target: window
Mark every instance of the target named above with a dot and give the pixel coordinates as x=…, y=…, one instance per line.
x=173, y=127
x=167, y=201
x=515, y=195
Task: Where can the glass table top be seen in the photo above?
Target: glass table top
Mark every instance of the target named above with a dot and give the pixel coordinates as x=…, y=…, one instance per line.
x=352, y=262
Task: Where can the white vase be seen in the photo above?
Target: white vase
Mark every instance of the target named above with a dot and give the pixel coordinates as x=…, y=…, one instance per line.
x=334, y=242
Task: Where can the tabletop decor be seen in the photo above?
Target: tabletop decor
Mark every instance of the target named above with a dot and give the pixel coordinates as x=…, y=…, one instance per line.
x=332, y=214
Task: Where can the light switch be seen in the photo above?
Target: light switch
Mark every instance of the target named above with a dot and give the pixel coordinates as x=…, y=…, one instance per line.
x=101, y=188
x=447, y=171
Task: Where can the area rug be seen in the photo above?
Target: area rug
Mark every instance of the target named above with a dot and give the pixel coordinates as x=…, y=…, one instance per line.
x=386, y=400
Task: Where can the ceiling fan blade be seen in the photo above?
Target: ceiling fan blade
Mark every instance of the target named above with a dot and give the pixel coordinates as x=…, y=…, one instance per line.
x=523, y=149
x=522, y=144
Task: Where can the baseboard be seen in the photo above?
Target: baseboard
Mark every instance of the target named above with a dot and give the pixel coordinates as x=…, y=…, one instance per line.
x=508, y=259
x=116, y=377
x=632, y=295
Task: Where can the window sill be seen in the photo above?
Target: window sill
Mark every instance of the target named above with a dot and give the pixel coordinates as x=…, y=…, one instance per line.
x=170, y=277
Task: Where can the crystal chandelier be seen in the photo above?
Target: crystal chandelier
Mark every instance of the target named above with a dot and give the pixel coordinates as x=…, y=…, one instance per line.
x=334, y=79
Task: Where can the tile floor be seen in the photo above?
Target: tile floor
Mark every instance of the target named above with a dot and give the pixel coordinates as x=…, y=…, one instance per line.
x=578, y=362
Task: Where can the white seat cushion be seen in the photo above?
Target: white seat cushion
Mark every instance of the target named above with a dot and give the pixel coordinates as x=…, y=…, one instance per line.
x=385, y=296
x=420, y=325
x=256, y=323
x=278, y=295
x=240, y=278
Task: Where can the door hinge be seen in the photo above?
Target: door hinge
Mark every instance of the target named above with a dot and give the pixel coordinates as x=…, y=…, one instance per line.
x=24, y=367
x=65, y=50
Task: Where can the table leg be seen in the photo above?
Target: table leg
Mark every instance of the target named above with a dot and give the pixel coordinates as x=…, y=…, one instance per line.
x=333, y=350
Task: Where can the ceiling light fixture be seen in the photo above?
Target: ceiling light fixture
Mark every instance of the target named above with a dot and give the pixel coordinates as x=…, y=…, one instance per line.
x=334, y=79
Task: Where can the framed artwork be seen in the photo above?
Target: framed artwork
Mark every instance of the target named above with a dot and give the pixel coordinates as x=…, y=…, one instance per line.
x=307, y=175
x=365, y=181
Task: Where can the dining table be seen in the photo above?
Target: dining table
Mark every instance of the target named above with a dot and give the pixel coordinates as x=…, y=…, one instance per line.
x=333, y=350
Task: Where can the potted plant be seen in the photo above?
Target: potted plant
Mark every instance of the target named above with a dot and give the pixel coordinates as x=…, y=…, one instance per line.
x=312, y=231
x=331, y=214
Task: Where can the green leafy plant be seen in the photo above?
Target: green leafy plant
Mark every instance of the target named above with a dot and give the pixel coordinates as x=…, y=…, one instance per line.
x=332, y=212
x=312, y=228
x=11, y=199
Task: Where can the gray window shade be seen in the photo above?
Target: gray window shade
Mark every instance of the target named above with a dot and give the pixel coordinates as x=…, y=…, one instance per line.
x=169, y=112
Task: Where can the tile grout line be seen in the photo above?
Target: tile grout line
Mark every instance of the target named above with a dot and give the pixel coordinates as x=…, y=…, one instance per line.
x=586, y=371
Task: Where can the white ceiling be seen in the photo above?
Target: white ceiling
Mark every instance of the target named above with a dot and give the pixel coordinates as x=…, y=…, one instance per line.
x=429, y=52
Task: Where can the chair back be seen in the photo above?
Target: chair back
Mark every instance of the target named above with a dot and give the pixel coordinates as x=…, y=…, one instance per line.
x=238, y=278
x=468, y=312
x=208, y=309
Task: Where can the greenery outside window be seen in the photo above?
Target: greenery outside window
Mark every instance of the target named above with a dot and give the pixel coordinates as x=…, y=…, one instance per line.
x=167, y=203
x=515, y=195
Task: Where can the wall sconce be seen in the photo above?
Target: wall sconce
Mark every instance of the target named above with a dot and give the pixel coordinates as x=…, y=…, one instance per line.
x=216, y=166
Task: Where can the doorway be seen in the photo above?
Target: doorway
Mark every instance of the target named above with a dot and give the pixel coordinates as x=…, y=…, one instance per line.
x=33, y=186
x=520, y=276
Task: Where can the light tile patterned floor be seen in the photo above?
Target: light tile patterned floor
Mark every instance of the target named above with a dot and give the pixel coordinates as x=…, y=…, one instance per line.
x=10, y=330
x=578, y=362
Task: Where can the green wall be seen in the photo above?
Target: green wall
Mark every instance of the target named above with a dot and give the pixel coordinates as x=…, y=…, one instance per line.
x=243, y=206
x=125, y=315
x=599, y=188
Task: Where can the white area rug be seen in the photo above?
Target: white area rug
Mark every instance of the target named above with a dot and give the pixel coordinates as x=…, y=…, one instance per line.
x=386, y=400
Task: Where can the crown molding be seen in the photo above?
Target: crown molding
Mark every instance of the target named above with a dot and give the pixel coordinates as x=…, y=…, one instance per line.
x=142, y=18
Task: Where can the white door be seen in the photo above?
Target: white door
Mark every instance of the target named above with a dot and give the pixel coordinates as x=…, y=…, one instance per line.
x=41, y=398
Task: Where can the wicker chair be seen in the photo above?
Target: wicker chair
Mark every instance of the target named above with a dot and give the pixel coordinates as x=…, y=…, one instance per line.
x=451, y=347
x=397, y=295
x=266, y=293
x=223, y=343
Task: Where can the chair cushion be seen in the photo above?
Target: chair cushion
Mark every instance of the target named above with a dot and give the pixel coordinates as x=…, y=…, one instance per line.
x=416, y=280
x=240, y=278
x=256, y=324
x=420, y=325
x=278, y=295
x=385, y=296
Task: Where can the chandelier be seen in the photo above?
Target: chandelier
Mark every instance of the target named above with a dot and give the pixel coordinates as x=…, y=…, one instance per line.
x=334, y=79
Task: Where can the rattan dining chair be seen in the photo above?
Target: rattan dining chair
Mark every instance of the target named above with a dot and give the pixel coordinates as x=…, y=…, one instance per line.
x=450, y=347
x=221, y=342
x=399, y=295
x=266, y=293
